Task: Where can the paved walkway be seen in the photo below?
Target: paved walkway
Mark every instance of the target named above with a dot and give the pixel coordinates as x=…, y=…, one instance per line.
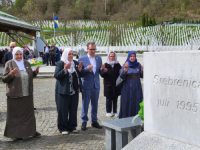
x=46, y=118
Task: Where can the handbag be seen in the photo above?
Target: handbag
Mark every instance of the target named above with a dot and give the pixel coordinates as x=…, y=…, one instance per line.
x=119, y=82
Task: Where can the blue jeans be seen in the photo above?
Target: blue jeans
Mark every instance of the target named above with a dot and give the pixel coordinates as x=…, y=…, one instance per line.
x=111, y=102
x=47, y=58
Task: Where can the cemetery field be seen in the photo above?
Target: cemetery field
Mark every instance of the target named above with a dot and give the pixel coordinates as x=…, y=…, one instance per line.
x=119, y=36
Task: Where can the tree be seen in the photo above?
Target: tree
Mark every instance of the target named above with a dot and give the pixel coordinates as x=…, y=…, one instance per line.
x=146, y=21
x=19, y=4
x=150, y=22
x=98, y=12
x=153, y=21
x=143, y=20
x=65, y=13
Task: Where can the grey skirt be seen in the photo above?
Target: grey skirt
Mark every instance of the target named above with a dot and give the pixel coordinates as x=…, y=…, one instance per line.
x=20, y=121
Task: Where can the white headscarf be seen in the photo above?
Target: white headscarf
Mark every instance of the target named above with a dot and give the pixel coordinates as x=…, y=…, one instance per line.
x=20, y=64
x=65, y=59
x=58, y=46
x=112, y=62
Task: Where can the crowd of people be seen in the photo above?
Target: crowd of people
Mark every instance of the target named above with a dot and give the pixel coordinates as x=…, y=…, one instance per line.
x=51, y=54
x=72, y=77
x=6, y=54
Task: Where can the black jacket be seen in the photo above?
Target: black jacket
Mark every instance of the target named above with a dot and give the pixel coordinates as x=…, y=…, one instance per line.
x=110, y=89
x=62, y=83
x=7, y=56
x=45, y=48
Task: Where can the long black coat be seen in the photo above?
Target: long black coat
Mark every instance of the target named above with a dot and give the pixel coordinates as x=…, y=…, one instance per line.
x=110, y=89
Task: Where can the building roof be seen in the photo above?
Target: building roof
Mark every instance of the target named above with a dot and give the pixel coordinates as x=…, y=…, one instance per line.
x=9, y=22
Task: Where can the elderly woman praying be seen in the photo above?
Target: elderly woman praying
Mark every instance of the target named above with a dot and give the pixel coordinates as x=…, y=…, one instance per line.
x=18, y=76
x=68, y=86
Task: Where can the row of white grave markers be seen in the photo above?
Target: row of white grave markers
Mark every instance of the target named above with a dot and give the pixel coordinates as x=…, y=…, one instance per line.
x=169, y=35
x=78, y=24
x=172, y=35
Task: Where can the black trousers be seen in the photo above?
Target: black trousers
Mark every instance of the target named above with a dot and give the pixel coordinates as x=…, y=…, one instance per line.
x=67, y=106
x=111, y=102
x=53, y=59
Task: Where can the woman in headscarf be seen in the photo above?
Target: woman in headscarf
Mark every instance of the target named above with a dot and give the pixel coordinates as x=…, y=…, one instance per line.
x=131, y=93
x=68, y=86
x=57, y=53
x=110, y=75
x=18, y=76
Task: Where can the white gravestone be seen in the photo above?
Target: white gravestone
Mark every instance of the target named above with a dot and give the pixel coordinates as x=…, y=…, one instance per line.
x=172, y=95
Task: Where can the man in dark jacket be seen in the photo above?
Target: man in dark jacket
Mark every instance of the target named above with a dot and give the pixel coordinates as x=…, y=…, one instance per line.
x=53, y=51
x=8, y=56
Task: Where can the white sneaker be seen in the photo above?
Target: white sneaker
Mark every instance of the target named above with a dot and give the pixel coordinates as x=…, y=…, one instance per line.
x=64, y=132
x=116, y=114
x=108, y=114
x=75, y=131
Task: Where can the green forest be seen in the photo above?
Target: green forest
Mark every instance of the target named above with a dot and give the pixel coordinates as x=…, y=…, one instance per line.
x=112, y=10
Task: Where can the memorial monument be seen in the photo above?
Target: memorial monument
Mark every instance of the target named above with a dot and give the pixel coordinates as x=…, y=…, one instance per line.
x=171, y=101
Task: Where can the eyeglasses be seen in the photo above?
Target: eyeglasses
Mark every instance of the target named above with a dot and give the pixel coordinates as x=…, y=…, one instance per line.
x=12, y=47
x=92, y=49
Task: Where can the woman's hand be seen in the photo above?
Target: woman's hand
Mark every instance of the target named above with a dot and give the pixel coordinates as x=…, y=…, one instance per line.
x=105, y=70
x=37, y=69
x=102, y=66
x=80, y=66
x=142, y=68
x=126, y=67
x=13, y=72
x=67, y=66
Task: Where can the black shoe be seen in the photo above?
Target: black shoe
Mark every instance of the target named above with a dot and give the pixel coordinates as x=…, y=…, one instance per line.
x=37, y=134
x=34, y=108
x=83, y=127
x=96, y=125
x=19, y=139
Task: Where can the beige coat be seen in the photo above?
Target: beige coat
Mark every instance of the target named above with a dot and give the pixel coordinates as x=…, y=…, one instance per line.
x=14, y=84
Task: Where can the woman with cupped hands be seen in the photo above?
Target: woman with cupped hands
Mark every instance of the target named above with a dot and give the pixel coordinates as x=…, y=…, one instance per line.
x=68, y=86
x=131, y=93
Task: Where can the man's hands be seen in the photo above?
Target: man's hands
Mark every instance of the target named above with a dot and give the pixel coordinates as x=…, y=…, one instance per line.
x=13, y=72
x=67, y=66
x=89, y=67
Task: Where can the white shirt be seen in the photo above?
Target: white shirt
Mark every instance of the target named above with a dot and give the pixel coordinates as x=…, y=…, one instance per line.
x=93, y=63
x=46, y=50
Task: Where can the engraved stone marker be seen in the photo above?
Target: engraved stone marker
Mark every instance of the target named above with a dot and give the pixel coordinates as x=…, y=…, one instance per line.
x=172, y=95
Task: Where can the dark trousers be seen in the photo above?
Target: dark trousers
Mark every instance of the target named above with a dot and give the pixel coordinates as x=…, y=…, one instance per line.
x=53, y=59
x=111, y=102
x=67, y=106
x=47, y=58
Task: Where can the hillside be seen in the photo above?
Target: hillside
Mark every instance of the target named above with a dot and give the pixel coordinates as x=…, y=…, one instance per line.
x=113, y=10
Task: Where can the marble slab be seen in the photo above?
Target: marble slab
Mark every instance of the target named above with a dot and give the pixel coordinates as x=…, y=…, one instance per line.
x=172, y=95
x=123, y=124
x=148, y=141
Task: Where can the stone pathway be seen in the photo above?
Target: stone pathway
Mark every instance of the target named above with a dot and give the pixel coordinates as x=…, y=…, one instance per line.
x=46, y=119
